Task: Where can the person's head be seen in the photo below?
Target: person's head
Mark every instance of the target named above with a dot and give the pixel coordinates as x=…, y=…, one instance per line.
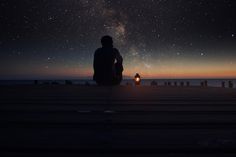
x=107, y=41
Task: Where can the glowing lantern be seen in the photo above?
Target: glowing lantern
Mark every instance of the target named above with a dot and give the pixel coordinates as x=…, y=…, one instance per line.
x=137, y=79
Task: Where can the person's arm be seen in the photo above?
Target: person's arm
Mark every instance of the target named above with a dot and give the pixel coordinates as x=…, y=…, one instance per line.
x=119, y=58
x=95, y=60
x=95, y=65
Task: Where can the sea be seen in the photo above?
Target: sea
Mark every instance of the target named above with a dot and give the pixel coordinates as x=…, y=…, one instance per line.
x=144, y=82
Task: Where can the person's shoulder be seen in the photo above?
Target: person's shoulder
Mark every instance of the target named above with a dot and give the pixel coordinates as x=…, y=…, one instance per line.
x=98, y=50
x=116, y=50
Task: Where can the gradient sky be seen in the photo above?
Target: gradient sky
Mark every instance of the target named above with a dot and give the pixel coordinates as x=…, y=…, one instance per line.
x=157, y=38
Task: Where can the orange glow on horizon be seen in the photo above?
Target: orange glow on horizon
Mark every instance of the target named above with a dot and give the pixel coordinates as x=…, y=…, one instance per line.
x=167, y=72
x=185, y=72
x=171, y=74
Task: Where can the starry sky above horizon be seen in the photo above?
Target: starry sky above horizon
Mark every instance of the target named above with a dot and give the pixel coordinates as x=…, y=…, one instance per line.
x=157, y=38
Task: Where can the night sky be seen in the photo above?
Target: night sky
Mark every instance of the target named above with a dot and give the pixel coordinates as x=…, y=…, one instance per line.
x=56, y=39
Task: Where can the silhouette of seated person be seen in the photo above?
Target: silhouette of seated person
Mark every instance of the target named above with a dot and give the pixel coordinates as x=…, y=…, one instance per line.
x=107, y=64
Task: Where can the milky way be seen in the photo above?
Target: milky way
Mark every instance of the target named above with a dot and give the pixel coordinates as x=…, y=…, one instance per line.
x=157, y=38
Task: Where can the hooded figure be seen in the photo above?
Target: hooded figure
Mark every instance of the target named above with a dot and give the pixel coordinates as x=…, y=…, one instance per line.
x=107, y=64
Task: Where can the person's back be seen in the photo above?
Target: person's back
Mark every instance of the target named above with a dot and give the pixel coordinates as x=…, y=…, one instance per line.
x=107, y=64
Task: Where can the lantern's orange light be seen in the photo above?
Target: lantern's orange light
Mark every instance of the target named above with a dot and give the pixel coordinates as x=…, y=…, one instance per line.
x=137, y=79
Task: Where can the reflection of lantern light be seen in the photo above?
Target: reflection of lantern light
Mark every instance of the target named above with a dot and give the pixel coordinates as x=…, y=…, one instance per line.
x=137, y=79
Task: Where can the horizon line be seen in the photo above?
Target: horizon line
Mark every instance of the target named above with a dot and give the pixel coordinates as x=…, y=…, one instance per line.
x=128, y=78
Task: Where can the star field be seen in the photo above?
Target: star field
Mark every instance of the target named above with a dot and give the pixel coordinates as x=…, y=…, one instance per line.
x=157, y=38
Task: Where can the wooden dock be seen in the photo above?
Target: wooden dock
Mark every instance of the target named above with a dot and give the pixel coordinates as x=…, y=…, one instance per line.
x=61, y=120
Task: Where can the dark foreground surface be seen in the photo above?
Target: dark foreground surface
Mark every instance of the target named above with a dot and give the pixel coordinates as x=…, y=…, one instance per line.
x=69, y=121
